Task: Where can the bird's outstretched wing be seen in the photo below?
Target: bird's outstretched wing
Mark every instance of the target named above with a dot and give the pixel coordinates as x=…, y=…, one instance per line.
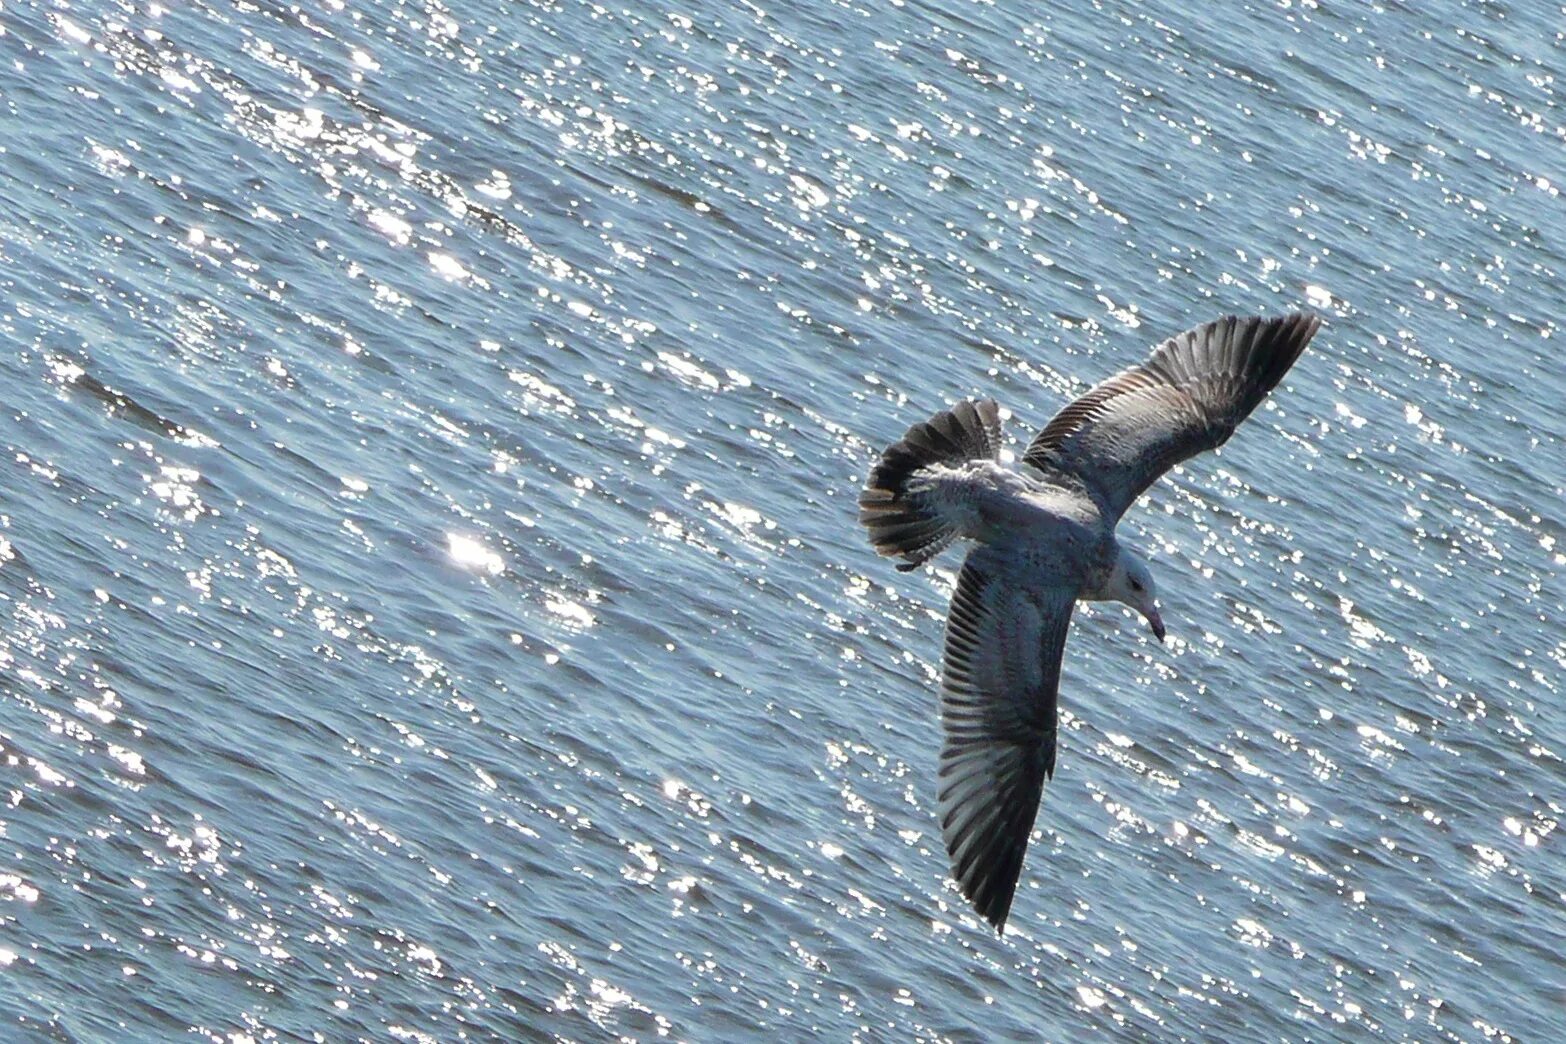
x=1189, y=397
x=1004, y=639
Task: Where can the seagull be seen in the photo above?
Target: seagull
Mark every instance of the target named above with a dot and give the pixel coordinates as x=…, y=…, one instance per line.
x=1043, y=539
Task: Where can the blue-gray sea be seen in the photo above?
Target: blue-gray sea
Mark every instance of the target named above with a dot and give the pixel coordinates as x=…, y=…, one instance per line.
x=432, y=605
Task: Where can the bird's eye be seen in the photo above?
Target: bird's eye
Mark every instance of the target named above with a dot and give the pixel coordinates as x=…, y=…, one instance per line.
x=1136, y=585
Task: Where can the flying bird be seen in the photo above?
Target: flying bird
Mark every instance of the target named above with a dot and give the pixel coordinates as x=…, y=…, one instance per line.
x=1044, y=539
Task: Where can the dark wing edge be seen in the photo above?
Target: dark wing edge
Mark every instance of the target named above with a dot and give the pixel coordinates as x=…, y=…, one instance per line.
x=1187, y=398
x=1004, y=643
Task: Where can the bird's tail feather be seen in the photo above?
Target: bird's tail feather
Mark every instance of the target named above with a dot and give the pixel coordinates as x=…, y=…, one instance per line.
x=905, y=522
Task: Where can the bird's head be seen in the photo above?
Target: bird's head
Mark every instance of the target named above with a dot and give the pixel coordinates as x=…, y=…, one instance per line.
x=1132, y=583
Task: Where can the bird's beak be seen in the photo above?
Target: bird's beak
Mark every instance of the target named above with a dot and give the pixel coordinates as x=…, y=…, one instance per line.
x=1156, y=622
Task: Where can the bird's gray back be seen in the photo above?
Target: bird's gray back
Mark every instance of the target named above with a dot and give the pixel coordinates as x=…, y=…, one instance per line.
x=1049, y=532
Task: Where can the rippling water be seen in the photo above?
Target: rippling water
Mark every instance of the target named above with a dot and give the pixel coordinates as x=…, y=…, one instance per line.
x=431, y=602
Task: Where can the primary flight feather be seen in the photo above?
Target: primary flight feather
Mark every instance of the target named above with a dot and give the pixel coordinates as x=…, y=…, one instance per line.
x=1045, y=539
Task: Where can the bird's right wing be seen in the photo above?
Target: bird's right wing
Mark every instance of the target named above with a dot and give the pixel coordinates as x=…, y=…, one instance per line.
x=1189, y=397
x=1004, y=639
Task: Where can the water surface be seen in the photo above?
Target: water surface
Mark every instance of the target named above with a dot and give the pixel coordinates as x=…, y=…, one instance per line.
x=431, y=601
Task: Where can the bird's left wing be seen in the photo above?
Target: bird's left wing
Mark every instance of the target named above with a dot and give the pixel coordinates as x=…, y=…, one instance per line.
x=1189, y=397
x=1004, y=639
